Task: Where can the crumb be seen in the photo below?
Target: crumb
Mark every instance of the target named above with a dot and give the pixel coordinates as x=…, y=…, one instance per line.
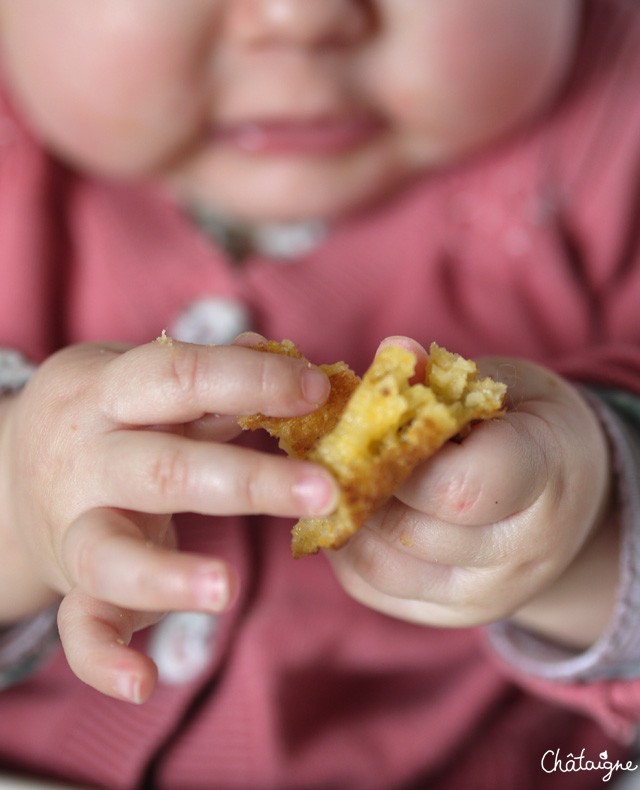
x=164, y=339
x=405, y=540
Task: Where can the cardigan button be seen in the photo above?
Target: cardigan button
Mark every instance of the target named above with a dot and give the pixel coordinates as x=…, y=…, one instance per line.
x=216, y=320
x=182, y=645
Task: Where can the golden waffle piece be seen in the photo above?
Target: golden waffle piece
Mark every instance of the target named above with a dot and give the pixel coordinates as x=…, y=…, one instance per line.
x=372, y=433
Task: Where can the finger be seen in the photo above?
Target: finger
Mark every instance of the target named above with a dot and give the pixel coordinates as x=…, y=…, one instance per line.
x=388, y=579
x=432, y=540
x=498, y=470
x=159, y=472
x=388, y=569
x=213, y=428
x=107, y=556
x=170, y=381
x=405, y=587
x=547, y=437
x=95, y=637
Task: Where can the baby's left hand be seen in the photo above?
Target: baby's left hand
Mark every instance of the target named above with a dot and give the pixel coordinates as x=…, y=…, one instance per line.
x=509, y=521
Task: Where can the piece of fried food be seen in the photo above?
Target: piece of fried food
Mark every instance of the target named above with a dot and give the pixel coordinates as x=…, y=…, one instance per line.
x=371, y=434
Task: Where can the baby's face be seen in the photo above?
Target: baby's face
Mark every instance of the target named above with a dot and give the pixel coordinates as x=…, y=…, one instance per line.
x=281, y=109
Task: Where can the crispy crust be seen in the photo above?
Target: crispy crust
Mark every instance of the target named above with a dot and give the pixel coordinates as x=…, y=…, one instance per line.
x=372, y=433
x=298, y=435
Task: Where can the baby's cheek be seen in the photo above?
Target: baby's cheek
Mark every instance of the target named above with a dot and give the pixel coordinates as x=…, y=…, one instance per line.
x=395, y=75
x=448, y=87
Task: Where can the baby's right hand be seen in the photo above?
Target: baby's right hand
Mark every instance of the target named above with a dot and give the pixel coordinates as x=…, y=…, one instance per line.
x=98, y=451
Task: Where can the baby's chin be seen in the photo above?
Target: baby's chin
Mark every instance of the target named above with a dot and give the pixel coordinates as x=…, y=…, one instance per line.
x=251, y=211
x=289, y=190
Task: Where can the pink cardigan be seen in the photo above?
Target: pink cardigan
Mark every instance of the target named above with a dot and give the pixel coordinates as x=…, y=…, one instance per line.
x=532, y=249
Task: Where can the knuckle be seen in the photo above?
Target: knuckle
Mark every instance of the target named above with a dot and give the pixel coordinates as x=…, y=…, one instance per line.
x=264, y=378
x=83, y=562
x=143, y=581
x=168, y=474
x=276, y=383
x=185, y=369
x=489, y=594
x=248, y=491
x=370, y=561
x=473, y=596
x=457, y=496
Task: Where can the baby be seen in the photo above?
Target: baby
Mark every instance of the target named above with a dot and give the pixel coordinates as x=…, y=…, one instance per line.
x=336, y=172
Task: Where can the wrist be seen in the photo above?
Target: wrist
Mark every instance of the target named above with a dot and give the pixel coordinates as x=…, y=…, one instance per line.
x=576, y=609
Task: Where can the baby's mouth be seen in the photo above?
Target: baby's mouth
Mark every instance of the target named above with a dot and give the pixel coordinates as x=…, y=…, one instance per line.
x=321, y=136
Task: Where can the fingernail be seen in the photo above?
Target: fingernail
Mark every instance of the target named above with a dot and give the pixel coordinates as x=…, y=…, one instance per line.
x=248, y=339
x=317, y=493
x=129, y=687
x=315, y=385
x=211, y=588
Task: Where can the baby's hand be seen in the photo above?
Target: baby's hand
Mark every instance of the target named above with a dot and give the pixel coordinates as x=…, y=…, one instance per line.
x=506, y=521
x=98, y=451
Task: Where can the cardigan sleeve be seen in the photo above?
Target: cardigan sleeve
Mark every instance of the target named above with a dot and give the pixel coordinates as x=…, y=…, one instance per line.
x=24, y=647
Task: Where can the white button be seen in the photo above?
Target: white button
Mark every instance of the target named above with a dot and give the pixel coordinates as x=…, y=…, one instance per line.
x=212, y=320
x=182, y=644
x=15, y=371
x=287, y=243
